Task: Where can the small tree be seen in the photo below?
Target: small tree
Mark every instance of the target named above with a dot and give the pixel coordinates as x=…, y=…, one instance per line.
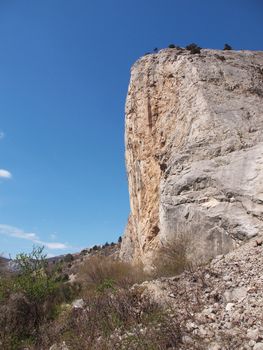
x=227, y=47
x=193, y=48
x=120, y=239
x=32, y=262
x=68, y=258
x=84, y=252
x=34, y=279
x=171, y=46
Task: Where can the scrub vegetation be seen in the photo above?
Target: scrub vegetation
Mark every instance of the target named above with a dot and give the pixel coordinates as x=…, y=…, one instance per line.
x=103, y=308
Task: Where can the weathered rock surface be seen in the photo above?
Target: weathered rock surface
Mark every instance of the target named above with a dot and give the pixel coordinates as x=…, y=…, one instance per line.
x=194, y=150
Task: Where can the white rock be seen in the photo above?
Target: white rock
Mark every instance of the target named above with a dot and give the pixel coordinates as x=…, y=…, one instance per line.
x=72, y=278
x=62, y=346
x=239, y=294
x=214, y=346
x=229, y=306
x=191, y=325
x=236, y=294
x=227, y=278
x=194, y=143
x=253, y=334
x=78, y=304
x=187, y=340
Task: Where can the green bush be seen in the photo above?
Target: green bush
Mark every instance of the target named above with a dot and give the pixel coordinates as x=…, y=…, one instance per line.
x=84, y=252
x=107, y=284
x=68, y=258
x=34, y=279
x=193, y=48
x=30, y=297
x=227, y=47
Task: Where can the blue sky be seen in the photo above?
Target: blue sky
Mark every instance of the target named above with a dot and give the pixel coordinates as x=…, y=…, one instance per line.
x=64, y=73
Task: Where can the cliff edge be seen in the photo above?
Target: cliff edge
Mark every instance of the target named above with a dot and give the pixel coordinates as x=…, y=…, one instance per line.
x=194, y=151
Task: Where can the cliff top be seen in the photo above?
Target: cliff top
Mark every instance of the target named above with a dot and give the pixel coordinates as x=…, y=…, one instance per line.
x=176, y=52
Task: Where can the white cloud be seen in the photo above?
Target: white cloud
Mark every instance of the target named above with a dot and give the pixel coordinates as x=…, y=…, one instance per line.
x=16, y=232
x=5, y=174
x=54, y=245
x=12, y=231
x=2, y=135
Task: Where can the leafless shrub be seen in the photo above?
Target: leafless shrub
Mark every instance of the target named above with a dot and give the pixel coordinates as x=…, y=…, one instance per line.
x=97, y=270
x=172, y=258
x=117, y=320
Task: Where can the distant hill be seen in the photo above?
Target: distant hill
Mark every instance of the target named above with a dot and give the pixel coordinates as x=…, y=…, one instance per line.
x=4, y=262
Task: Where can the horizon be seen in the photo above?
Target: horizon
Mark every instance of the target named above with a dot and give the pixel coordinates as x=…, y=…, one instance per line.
x=64, y=75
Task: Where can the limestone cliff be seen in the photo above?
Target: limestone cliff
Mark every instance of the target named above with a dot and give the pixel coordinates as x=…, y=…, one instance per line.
x=194, y=150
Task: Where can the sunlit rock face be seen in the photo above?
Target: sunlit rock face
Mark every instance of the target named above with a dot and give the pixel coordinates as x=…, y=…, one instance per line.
x=194, y=151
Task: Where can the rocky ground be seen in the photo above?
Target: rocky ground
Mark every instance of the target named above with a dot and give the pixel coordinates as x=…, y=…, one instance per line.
x=219, y=305
x=216, y=306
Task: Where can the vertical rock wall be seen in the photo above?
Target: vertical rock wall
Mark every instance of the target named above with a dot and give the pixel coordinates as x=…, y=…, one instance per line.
x=194, y=151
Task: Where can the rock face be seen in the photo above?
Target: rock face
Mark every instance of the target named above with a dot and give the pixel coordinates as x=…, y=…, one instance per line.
x=194, y=151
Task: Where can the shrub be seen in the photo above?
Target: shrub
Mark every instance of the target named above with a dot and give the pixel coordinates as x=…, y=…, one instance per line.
x=34, y=279
x=227, y=47
x=171, y=259
x=68, y=258
x=107, y=284
x=3, y=263
x=98, y=269
x=19, y=314
x=120, y=239
x=32, y=262
x=29, y=297
x=6, y=287
x=84, y=252
x=120, y=320
x=193, y=48
x=171, y=46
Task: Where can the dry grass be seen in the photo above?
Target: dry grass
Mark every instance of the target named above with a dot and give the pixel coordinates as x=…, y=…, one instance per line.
x=99, y=271
x=172, y=259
